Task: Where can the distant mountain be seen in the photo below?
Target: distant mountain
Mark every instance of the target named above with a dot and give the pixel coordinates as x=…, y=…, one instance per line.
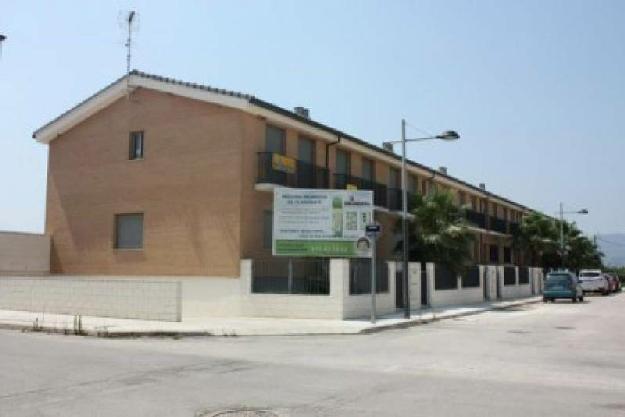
x=613, y=246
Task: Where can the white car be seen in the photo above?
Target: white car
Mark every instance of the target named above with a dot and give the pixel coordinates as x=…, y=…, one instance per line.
x=593, y=280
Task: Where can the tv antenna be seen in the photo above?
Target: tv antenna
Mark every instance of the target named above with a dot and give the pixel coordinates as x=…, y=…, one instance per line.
x=129, y=22
x=2, y=39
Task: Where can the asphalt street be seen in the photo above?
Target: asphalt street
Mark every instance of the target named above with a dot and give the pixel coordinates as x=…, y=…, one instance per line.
x=558, y=359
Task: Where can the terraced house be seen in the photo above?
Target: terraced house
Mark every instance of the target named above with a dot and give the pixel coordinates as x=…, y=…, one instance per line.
x=156, y=177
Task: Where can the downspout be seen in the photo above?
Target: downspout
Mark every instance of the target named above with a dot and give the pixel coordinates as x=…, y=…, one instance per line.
x=338, y=140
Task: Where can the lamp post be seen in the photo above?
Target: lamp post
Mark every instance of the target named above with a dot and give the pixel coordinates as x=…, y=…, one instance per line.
x=448, y=135
x=562, y=213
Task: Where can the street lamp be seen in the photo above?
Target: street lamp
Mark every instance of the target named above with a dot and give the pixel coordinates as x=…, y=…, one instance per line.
x=562, y=213
x=448, y=135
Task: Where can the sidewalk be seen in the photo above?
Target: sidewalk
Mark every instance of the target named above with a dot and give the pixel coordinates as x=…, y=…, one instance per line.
x=238, y=326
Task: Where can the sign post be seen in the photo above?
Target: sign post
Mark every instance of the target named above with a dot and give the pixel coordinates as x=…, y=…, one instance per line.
x=373, y=230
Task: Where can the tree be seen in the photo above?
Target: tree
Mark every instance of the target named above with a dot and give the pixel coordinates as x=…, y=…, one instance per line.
x=438, y=232
x=538, y=238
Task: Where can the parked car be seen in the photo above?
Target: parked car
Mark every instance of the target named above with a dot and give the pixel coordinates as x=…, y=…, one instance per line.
x=612, y=282
x=562, y=284
x=593, y=280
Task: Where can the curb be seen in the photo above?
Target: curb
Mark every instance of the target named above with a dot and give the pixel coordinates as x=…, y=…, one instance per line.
x=100, y=333
x=451, y=316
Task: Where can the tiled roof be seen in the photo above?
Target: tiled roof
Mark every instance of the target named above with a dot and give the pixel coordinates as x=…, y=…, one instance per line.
x=282, y=111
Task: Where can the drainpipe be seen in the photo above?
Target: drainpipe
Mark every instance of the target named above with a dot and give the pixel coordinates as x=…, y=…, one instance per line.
x=338, y=140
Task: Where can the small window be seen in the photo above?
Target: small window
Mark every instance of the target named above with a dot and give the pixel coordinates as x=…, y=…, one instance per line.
x=342, y=162
x=394, y=178
x=129, y=231
x=267, y=229
x=136, y=145
x=275, y=140
x=413, y=184
x=306, y=150
x=368, y=169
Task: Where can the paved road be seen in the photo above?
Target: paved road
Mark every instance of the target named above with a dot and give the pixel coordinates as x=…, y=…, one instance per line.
x=559, y=359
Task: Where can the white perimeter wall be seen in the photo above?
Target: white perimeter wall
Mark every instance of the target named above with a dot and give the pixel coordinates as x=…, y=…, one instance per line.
x=24, y=253
x=339, y=304
x=459, y=296
x=516, y=290
x=103, y=297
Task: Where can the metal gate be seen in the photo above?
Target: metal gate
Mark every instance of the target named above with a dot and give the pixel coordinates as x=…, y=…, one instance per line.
x=424, y=287
x=399, y=288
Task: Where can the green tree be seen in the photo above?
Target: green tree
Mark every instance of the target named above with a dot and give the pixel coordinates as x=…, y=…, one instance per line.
x=438, y=232
x=537, y=237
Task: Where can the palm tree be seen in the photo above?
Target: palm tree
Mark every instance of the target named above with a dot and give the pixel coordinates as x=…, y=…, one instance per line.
x=537, y=236
x=438, y=232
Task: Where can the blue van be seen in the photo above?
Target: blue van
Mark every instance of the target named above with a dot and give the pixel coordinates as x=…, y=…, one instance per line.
x=562, y=284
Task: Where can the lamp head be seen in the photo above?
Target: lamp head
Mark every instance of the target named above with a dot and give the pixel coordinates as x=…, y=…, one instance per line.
x=448, y=135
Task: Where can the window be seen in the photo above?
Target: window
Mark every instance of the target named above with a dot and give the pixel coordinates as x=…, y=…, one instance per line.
x=342, y=162
x=424, y=187
x=413, y=184
x=368, y=169
x=129, y=231
x=394, y=178
x=136, y=145
x=306, y=150
x=275, y=140
x=267, y=229
x=462, y=198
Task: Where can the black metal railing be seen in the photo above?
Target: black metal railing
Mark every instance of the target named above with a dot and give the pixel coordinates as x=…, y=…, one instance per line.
x=476, y=218
x=524, y=275
x=380, y=198
x=291, y=276
x=444, y=278
x=470, y=278
x=498, y=225
x=509, y=275
x=303, y=175
x=360, y=276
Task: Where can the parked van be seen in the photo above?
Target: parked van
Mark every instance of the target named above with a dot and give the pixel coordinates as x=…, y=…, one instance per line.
x=562, y=284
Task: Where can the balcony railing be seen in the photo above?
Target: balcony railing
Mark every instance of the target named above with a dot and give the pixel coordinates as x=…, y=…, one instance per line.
x=476, y=218
x=293, y=173
x=380, y=198
x=515, y=228
x=498, y=225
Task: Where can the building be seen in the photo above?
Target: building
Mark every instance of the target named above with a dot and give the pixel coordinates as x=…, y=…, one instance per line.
x=152, y=176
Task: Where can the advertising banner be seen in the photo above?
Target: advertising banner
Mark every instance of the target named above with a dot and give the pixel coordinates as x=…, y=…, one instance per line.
x=325, y=223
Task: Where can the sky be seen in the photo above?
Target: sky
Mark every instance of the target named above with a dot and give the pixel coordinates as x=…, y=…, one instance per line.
x=536, y=89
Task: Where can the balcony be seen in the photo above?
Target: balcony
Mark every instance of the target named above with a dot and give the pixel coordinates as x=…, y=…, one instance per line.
x=476, y=218
x=380, y=198
x=395, y=200
x=279, y=170
x=498, y=225
x=515, y=228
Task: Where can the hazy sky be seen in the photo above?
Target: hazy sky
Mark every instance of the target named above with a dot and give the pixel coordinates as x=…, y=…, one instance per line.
x=535, y=88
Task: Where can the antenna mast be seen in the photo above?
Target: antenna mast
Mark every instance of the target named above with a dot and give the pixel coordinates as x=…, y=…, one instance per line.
x=129, y=20
x=2, y=39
